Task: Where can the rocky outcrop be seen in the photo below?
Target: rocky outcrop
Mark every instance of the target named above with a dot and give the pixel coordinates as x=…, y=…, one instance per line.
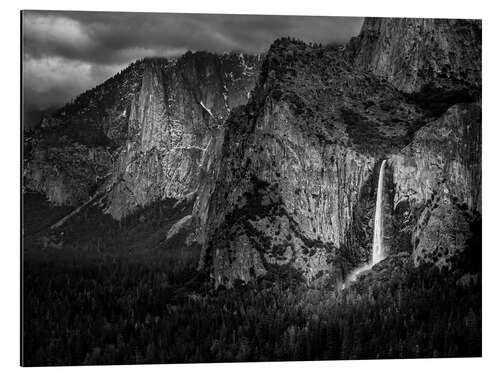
x=416, y=55
x=443, y=158
x=180, y=225
x=437, y=180
x=208, y=177
x=442, y=233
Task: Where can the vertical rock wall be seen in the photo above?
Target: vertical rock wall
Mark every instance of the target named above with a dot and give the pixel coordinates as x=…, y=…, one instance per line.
x=172, y=121
x=413, y=53
x=282, y=198
x=437, y=180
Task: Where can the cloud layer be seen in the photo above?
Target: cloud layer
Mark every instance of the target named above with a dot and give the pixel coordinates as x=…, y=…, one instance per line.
x=65, y=53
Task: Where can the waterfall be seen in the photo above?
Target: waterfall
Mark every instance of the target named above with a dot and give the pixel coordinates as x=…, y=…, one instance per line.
x=378, y=230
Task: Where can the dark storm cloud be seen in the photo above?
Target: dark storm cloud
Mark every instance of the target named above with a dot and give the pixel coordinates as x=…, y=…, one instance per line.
x=65, y=53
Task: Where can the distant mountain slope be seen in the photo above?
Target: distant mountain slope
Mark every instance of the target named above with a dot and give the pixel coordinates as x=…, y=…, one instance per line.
x=156, y=115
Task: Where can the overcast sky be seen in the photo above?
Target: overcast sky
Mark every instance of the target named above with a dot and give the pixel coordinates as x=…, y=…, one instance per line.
x=65, y=53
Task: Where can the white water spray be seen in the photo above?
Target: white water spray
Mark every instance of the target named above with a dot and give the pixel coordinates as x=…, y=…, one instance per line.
x=378, y=230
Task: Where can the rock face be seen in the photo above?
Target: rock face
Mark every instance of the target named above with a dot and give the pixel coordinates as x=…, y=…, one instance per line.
x=276, y=202
x=444, y=157
x=439, y=172
x=154, y=122
x=415, y=54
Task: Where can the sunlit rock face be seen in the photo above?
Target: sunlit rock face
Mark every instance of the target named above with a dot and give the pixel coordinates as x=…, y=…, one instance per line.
x=153, y=122
x=172, y=121
x=444, y=157
x=277, y=200
x=439, y=174
x=210, y=168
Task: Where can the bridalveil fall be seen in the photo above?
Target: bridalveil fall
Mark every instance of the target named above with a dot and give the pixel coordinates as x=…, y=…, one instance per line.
x=378, y=229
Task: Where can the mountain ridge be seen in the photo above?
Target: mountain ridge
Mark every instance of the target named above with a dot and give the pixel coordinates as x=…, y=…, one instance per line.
x=102, y=123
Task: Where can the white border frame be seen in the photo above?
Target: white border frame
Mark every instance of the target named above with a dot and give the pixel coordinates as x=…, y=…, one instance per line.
x=10, y=168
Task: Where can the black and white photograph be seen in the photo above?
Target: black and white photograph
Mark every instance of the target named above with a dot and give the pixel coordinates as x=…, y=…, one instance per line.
x=200, y=188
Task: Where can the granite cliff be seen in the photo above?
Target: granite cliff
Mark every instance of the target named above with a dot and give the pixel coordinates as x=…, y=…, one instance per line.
x=437, y=61
x=139, y=136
